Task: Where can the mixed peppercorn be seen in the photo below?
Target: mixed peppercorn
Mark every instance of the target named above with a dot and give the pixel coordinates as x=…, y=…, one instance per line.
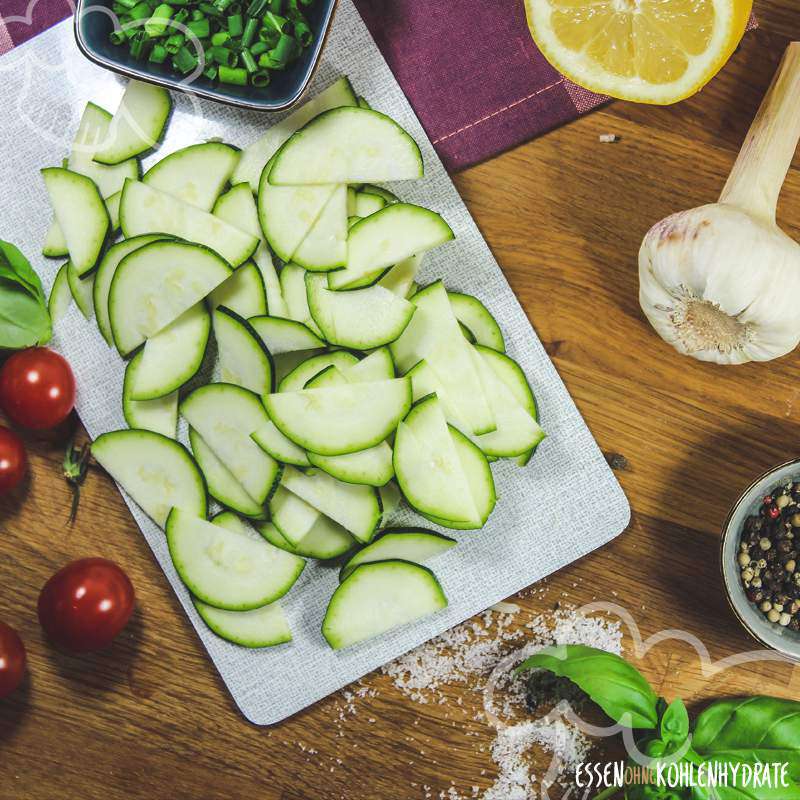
x=768, y=554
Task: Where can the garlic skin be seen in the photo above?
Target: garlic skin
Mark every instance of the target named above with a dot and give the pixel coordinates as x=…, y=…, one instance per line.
x=721, y=285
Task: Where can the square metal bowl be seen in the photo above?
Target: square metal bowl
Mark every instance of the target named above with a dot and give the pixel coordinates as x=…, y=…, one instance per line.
x=94, y=22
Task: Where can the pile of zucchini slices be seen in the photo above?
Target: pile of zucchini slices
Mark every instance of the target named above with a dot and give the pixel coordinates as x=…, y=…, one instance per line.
x=339, y=385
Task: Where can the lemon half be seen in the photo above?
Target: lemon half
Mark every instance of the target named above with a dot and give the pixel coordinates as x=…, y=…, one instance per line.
x=649, y=51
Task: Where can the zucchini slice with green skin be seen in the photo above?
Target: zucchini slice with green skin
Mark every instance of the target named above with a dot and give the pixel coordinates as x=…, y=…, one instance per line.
x=173, y=356
x=475, y=317
x=285, y=335
x=112, y=206
x=60, y=295
x=155, y=471
x=93, y=133
x=196, y=174
x=81, y=214
x=336, y=420
x=286, y=362
x=378, y=597
x=256, y=155
x=388, y=197
x=225, y=415
x=81, y=289
x=367, y=204
x=304, y=372
x=237, y=207
x=105, y=275
x=291, y=515
x=360, y=319
x=55, y=245
x=244, y=359
x=390, y=497
x=155, y=284
x=377, y=366
x=159, y=416
x=406, y=544
x=325, y=246
x=324, y=541
x=261, y=627
x=428, y=468
x=222, y=486
x=272, y=441
x=434, y=335
x=293, y=287
x=400, y=278
x=479, y=476
x=347, y=145
x=137, y=125
x=387, y=237
x=356, y=508
x=143, y=209
x=243, y=292
x=235, y=570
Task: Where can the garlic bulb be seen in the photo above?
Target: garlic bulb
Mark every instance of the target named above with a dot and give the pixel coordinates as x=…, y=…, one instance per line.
x=722, y=282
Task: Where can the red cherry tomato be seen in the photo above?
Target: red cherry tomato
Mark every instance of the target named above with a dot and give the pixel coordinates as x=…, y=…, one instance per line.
x=85, y=605
x=12, y=660
x=13, y=461
x=37, y=388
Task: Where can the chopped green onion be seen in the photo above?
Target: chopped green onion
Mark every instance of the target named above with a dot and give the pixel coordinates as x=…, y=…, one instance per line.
x=140, y=11
x=158, y=55
x=126, y=3
x=303, y=34
x=184, y=60
x=260, y=78
x=235, y=25
x=248, y=62
x=174, y=43
x=250, y=30
x=117, y=37
x=237, y=77
x=211, y=72
x=157, y=24
x=269, y=36
x=256, y=8
x=139, y=46
x=201, y=28
x=275, y=20
x=222, y=56
x=275, y=6
x=258, y=48
x=222, y=5
x=207, y=8
x=197, y=14
x=220, y=38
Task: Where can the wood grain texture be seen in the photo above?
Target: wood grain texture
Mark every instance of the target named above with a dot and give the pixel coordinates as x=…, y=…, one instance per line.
x=564, y=215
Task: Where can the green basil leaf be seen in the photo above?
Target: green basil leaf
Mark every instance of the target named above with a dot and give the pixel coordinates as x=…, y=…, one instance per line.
x=760, y=728
x=674, y=724
x=14, y=267
x=24, y=320
x=609, y=680
x=739, y=789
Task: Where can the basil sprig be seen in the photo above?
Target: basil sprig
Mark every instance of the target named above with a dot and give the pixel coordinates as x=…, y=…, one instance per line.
x=24, y=319
x=749, y=730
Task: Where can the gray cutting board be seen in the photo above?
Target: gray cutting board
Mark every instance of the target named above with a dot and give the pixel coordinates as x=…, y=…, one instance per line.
x=44, y=85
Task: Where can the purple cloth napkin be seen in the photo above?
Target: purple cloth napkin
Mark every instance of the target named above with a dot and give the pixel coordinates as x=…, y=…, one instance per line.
x=21, y=20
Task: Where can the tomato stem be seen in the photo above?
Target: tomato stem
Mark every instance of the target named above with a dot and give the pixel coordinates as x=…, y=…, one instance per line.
x=75, y=466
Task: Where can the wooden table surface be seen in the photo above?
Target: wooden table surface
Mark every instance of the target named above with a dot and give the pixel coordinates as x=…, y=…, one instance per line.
x=564, y=215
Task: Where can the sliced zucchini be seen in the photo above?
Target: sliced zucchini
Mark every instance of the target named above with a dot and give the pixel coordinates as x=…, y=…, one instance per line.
x=256, y=155
x=60, y=295
x=356, y=508
x=261, y=627
x=286, y=362
x=324, y=541
x=93, y=134
x=105, y=275
x=285, y=335
x=406, y=544
x=434, y=335
x=81, y=214
x=157, y=283
x=238, y=208
x=361, y=319
x=291, y=515
x=387, y=237
x=159, y=416
x=81, y=290
x=243, y=357
x=138, y=124
x=475, y=317
x=243, y=292
x=341, y=419
x=282, y=449
x=293, y=288
x=304, y=372
x=362, y=103
x=235, y=570
x=173, y=356
x=388, y=197
x=400, y=278
x=367, y=204
x=377, y=366
x=112, y=206
x=155, y=471
x=377, y=597
x=196, y=174
x=225, y=415
x=55, y=245
x=428, y=467
x=222, y=486
x=325, y=245
x=347, y=145
x=146, y=210
x=390, y=501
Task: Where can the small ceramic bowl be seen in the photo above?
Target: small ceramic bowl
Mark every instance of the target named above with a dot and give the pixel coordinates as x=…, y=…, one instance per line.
x=784, y=640
x=94, y=22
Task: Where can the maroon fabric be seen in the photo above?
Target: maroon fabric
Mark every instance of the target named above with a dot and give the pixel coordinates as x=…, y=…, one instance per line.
x=472, y=73
x=21, y=20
